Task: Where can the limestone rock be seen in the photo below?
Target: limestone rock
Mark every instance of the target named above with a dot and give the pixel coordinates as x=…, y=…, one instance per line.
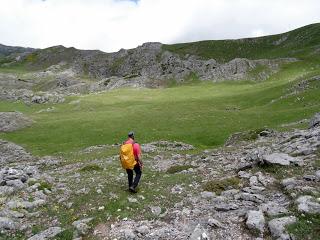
x=16, y=184
x=277, y=227
x=82, y=226
x=282, y=159
x=226, y=207
x=156, y=210
x=11, y=152
x=273, y=209
x=207, y=195
x=47, y=234
x=6, y=190
x=7, y=224
x=289, y=182
x=308, y=204
x=143, y=230
x=12, y=121
x=199, y=234
x=315, y=121
x=129, y=234
x=255, y=221
x=257, y=198
x=215, y=223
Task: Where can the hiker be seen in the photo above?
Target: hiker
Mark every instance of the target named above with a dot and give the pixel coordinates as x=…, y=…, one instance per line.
x=130, y=157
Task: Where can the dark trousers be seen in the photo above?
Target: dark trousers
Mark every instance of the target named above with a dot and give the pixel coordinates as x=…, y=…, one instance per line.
x=138, y=172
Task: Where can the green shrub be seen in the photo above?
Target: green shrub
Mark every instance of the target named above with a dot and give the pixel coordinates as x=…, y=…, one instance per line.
x=178, y=168
x=218, y=186
x=45, y=185
x=90, y=168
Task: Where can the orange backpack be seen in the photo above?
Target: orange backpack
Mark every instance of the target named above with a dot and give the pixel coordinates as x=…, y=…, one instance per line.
x=127, y=158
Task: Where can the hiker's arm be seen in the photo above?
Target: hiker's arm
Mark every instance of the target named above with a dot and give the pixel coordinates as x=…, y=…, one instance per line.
x=139, y=160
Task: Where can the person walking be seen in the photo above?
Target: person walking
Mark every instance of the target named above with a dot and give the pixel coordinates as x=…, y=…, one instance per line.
x=130, y=156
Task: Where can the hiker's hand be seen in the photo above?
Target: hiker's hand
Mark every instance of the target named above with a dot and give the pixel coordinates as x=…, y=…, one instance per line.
x=141, y=164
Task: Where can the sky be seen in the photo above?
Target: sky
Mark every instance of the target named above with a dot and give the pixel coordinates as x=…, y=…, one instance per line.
x=110, y=25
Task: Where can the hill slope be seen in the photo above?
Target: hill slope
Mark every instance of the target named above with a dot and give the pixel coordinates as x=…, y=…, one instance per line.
x=154, y=64
x=297, y=43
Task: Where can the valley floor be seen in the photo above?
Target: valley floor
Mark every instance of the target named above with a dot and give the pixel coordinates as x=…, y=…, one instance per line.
x=267, y=188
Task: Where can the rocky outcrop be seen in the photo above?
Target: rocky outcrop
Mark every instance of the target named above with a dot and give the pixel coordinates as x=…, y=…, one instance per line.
x=12, y=121
x=61, y=69
x=149, y=61
x=11, y=152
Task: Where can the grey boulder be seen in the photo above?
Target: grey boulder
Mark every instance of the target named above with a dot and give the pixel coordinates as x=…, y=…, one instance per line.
x=7, y=224
x=277, y=227
x=282, y=159
x=47, y=234
x=308, y=204
x=255, y=221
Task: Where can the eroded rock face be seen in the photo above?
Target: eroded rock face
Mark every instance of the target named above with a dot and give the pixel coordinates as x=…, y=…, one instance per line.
x=12, y=121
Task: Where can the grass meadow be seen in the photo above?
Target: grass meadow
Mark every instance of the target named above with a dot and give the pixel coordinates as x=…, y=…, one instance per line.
x=203, y=114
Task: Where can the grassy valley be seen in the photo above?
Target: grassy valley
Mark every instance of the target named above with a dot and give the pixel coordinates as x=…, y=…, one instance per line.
x=201, y=113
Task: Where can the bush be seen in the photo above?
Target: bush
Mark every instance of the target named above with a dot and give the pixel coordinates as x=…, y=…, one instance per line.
x=90, y=168
x=218, y=186
x=45, y=185
x=178, y=168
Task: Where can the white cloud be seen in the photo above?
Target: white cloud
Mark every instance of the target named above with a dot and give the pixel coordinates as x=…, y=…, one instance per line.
x=113, y=24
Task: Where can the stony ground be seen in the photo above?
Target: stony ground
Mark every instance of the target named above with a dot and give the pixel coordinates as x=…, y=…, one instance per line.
x=258, y=189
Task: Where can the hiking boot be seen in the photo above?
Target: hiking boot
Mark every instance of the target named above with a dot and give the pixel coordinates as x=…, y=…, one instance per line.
x=132, y=189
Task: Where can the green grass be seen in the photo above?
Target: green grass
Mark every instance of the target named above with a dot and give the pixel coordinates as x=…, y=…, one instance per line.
x=306, y=228
x=298, y=43
x=197, y=114
x=45, y=185
x=200, y=113
x=90, y=168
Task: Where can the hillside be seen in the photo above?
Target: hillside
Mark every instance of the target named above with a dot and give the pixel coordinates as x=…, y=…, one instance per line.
x=155, y=64
x=298, y=43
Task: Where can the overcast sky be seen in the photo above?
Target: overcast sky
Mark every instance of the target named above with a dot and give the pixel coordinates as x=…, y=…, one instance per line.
x=109, y=25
